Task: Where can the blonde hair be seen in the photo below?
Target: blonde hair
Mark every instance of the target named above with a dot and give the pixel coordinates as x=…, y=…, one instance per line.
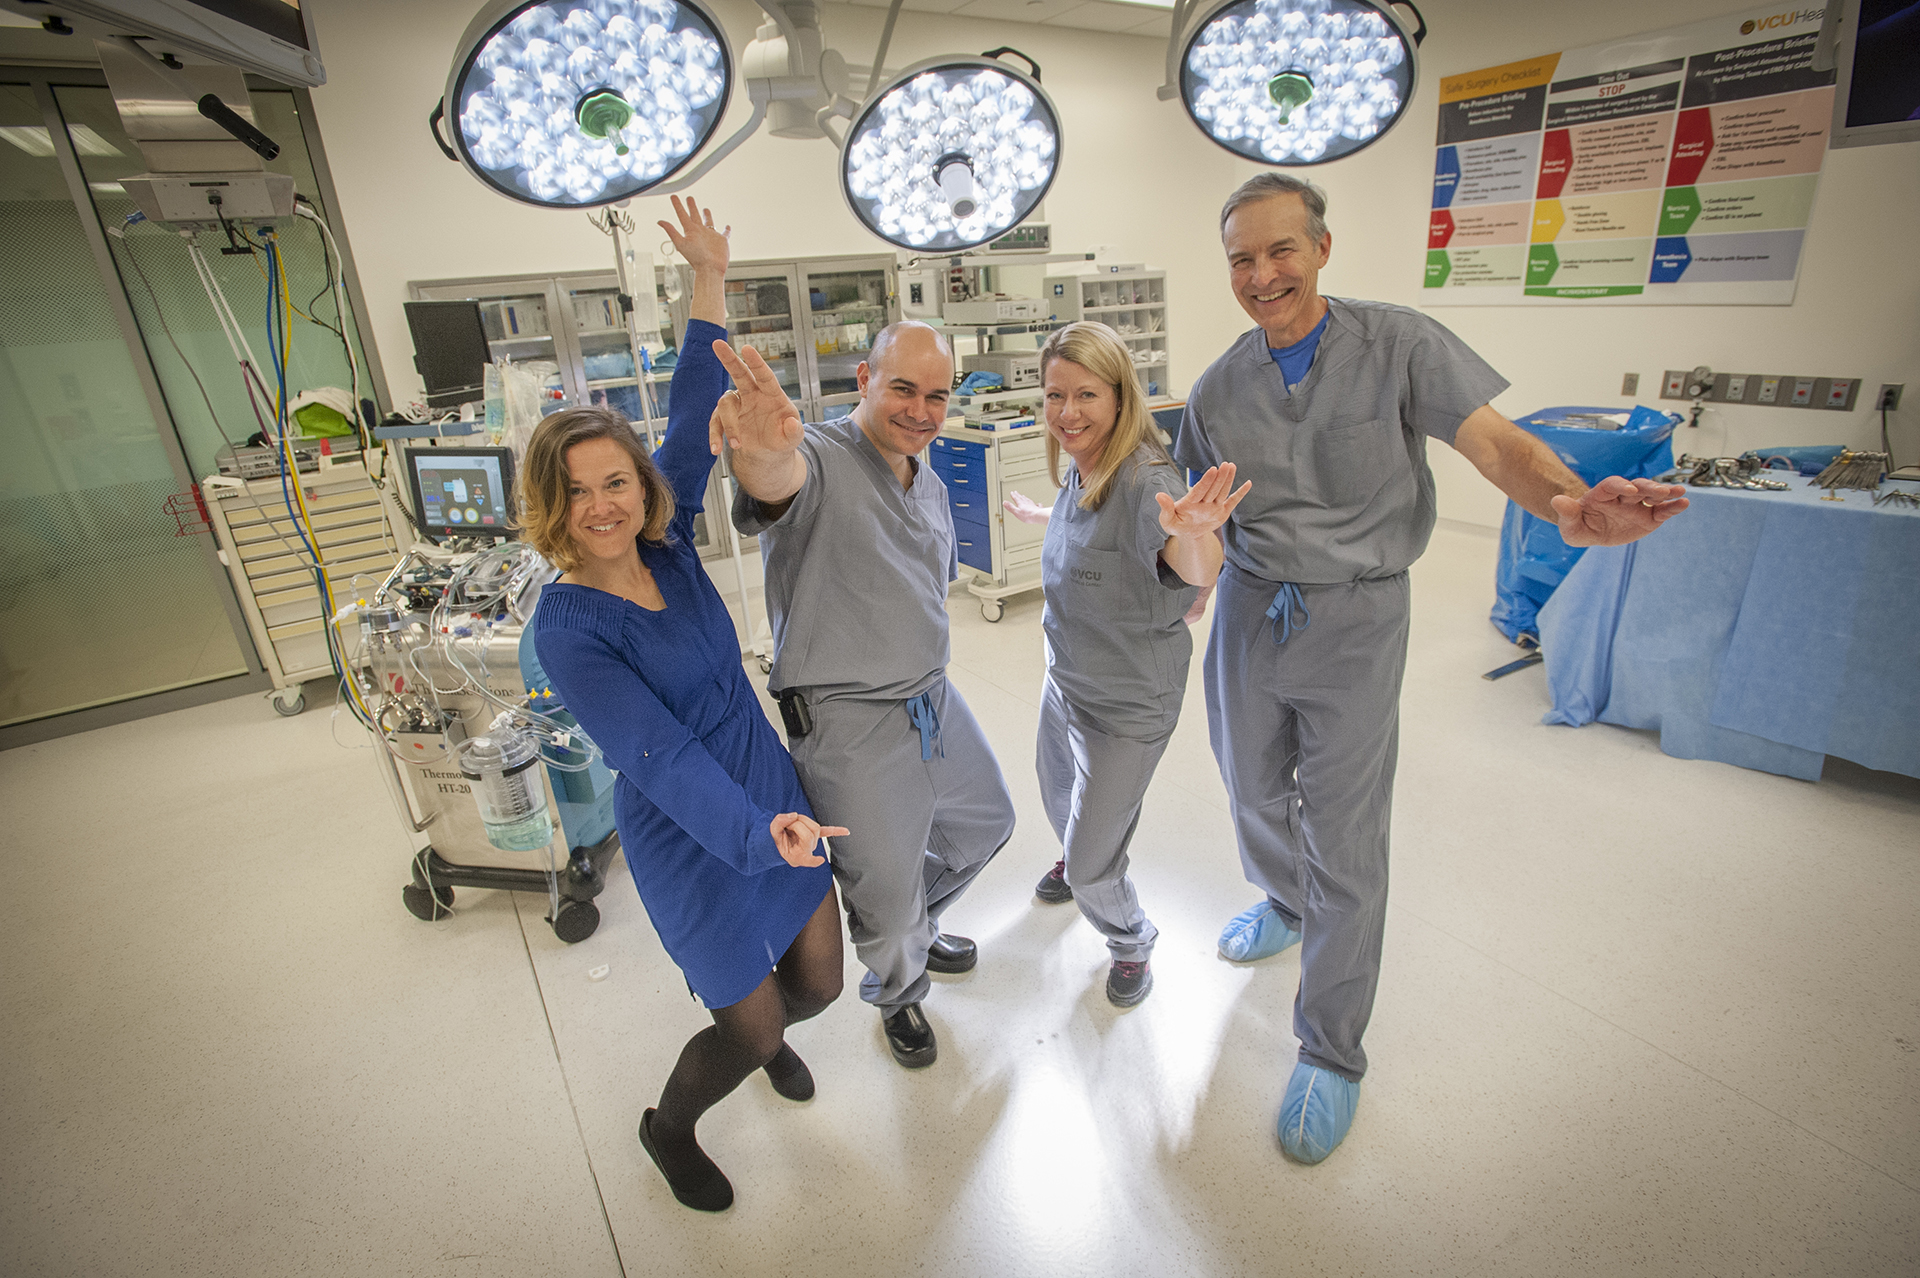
x=545, y=502
x=1099, y=350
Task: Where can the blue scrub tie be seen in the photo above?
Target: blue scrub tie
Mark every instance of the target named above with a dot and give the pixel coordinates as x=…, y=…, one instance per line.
x=927, y=719
x=1280, y=612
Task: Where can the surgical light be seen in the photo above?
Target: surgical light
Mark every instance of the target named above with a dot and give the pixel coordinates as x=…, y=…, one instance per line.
x=1295, y=82
x=577, y=103
x=951, y=153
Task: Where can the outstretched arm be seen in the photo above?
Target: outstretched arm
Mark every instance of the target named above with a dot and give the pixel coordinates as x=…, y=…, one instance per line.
x=698, y=379
x=1192, y=524
x=1611, y=513
x=760, y=428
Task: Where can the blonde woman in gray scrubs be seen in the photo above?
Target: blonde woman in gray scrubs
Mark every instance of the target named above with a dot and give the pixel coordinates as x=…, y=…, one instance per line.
x=1127, y=549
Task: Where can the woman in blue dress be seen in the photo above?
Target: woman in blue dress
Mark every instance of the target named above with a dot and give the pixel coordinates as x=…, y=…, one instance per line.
x=715, y=827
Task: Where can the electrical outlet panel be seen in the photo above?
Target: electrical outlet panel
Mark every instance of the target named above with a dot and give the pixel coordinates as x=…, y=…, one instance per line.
x=1889, y=396
x=1785, y=390
x=1630, y=384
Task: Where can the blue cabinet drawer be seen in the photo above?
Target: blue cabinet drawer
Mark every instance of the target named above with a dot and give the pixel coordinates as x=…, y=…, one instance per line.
x=949, y=451
x=975, y=550
x=963, y=481
x=968, y=507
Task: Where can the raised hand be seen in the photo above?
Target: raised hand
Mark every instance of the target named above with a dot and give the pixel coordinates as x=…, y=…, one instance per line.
x=1616, y=511
x=703, y=247
x=1024, y=509
x=755, y=416
x=1205, y=507
x=795, y=835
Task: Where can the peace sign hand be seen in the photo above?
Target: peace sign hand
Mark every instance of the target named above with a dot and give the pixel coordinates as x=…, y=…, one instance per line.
x=1205, y=507
x=755, y=416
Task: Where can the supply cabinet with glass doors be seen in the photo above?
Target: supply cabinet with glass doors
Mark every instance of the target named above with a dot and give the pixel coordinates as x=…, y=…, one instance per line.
x=814, y=320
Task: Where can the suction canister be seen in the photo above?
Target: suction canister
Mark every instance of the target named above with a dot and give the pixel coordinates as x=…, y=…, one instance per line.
x=506, y=785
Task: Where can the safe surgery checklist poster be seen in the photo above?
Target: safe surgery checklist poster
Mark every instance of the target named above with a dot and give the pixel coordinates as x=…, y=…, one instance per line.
x=1674, y=167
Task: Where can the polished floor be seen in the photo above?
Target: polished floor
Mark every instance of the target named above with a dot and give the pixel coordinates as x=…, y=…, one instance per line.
x=1639, y=1015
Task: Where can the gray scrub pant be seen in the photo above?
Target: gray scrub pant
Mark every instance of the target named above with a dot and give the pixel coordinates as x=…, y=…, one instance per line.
x=920, y=829
x=1091, y=783
x=1307, y=734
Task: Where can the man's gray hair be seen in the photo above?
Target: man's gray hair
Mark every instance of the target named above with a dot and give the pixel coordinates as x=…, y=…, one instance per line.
x=1264, y=186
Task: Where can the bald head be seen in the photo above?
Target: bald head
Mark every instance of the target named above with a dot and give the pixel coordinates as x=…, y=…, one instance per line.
x=911, y=338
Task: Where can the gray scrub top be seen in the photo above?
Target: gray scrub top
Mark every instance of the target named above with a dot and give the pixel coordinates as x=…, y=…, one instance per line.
x=1116, y=646
x=1341, y=487
x=856, y=572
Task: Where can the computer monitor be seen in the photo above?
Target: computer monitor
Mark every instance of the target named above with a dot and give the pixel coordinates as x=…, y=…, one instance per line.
x=450, y=351
x=1877, y=97
x=462, y=492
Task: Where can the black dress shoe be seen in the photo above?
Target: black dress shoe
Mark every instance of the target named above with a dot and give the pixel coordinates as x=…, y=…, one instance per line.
x=701, y=1185
x=952, y=955
x=789, y=1075
x=910, y=1037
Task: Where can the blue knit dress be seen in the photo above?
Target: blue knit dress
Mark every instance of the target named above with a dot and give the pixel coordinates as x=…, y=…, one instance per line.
x=701, y=771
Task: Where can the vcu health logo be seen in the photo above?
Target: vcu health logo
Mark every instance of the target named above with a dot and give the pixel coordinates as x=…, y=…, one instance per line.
x=1088, y=575
x=1788, y=19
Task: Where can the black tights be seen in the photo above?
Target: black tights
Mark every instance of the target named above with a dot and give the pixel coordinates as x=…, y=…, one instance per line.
x=746, y=1035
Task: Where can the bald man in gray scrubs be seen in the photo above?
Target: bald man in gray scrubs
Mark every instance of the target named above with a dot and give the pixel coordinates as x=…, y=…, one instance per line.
x=859, y=548
x=1326, y=407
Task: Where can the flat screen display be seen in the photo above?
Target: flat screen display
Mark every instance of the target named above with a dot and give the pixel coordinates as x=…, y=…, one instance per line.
x=462, y=492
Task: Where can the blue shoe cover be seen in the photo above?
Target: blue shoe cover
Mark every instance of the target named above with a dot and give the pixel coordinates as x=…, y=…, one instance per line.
x=1256, y=934
x=1316, y=1113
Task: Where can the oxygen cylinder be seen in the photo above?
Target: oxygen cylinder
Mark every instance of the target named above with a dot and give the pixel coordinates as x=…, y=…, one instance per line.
x=506, y=785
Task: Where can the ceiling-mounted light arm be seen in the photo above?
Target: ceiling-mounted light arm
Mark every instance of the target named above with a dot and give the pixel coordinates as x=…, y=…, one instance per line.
x=880, y=54
x=759, y=95
x=1176, y=42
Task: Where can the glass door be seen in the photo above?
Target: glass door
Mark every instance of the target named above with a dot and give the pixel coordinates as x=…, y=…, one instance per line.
x=104, y=596
x=760, y=314
x=847, y=306
x=604, y=365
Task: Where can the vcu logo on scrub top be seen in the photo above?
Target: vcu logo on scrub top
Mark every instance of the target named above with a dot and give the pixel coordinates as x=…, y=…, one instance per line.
x=1087, y=576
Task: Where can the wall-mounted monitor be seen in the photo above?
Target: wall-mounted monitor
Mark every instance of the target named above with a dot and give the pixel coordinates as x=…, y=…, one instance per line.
x=273, y=38
x=1877, y=96
x=462, y=492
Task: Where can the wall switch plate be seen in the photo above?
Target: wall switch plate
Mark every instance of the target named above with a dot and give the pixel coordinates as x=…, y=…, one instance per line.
x=1802, y=391
x=1769, y=389
x=1889, y=396
x=1837, y=392
x=1736, y=390
x=1630, y=384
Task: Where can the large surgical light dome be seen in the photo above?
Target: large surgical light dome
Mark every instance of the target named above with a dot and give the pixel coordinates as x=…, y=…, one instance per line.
x=574, y=103
x=1292, y=82
x=952, y=153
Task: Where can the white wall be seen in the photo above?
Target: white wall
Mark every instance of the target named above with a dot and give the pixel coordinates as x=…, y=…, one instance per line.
x=1139, y=179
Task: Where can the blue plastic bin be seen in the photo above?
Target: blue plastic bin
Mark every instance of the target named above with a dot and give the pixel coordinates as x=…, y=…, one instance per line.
x=1533, y=558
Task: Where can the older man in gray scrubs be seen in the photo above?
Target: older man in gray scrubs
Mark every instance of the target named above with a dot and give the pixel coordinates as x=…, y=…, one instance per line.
x=859, y=549
x=1326, y=407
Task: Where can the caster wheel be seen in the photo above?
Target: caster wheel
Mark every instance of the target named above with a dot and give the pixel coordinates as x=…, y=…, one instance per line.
x=993, y=610
x=583, y=879
x=427, y=906
x=576, y=921
x=288, y=709
x=766, y=665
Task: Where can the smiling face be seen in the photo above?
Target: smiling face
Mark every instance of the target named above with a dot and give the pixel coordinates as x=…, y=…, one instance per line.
x=607, y=507
x=1081, y=411
x=904, y=391
x=1275, y=267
